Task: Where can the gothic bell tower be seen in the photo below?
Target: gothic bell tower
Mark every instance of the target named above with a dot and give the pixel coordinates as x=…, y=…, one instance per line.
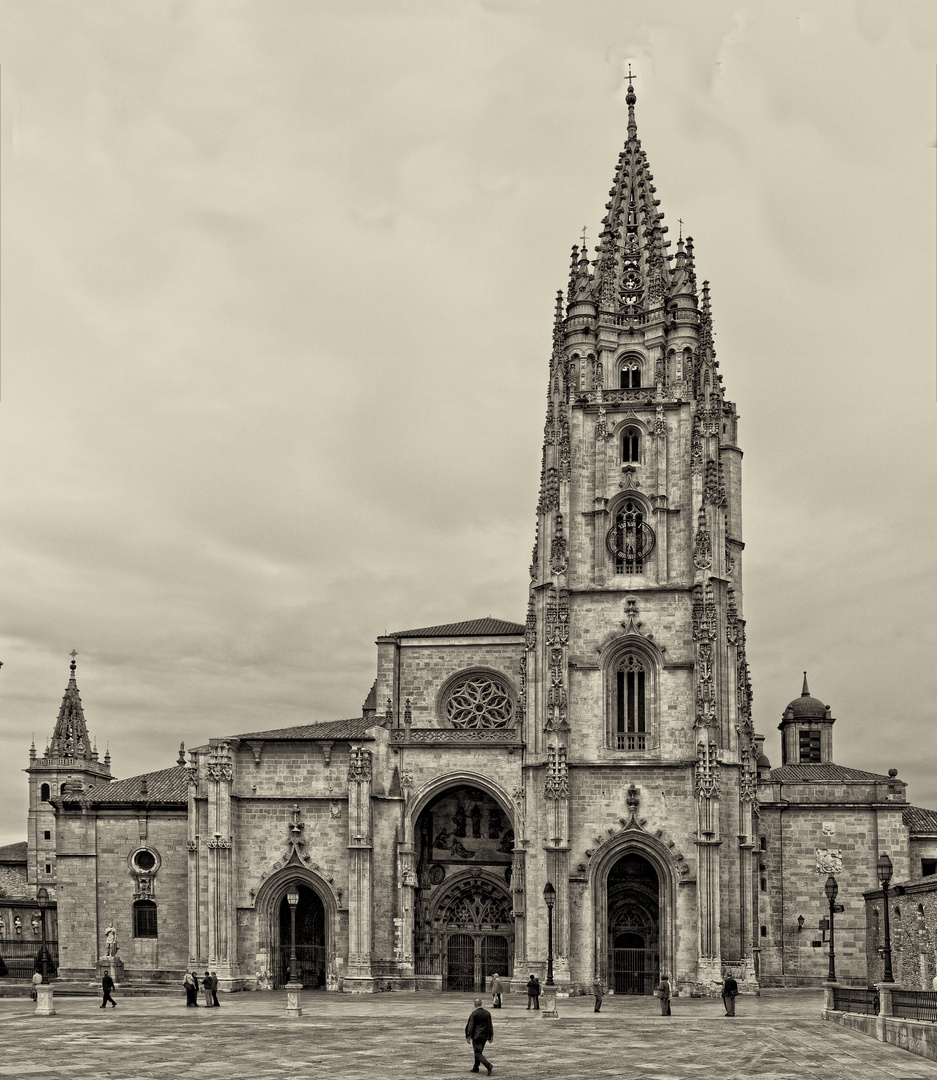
x=637, y=694
x=68, y=758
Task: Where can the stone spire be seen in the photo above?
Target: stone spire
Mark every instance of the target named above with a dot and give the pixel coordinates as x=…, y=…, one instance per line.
x=633, y=270
x=70, y=738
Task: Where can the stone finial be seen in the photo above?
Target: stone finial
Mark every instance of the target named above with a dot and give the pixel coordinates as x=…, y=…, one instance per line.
x=180, y=760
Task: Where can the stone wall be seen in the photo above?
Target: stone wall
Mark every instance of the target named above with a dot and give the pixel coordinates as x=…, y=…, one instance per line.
x=912, y=912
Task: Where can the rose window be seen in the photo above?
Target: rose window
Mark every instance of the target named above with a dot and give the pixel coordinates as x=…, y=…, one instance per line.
x=479, y=701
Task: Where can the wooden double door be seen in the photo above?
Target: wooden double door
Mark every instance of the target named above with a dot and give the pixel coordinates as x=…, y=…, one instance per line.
x=472, y=959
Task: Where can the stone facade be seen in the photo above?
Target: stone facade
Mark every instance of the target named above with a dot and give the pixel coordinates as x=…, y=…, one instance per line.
x=604, y=745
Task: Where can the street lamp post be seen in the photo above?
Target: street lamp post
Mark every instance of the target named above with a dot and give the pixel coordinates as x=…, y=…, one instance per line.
x=42, y=899
x=884, y=869
x=294, y=986
x=831, y=889
x=548, y=1010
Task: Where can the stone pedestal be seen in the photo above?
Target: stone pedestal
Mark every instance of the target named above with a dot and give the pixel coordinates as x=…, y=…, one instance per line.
x=45, y=1000
x=110, y=965
x=294, y=997
x=548, y=1003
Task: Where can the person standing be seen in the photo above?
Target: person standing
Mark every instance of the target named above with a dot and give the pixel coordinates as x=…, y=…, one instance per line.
x=37, y=982
x=495, y=991
x=663, y=992
x=206, y=989
x=597, y=990
x=107, y=985
x=533, y=992
x=730, y=989
x=214, y=990
x=479, y=1031
x=190, y=982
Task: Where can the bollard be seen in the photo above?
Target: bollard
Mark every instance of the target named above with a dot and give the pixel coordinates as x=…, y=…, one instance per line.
x=45, y=1000
x=548, y=1003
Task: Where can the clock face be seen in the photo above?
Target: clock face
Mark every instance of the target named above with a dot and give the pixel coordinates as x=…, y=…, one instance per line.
x=629, y=540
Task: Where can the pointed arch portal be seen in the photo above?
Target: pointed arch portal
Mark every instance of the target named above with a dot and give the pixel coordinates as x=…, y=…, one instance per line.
x=632, y=938
x=310, y=940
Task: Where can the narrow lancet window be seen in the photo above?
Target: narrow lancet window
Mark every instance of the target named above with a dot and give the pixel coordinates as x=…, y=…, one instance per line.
x=631, y=445
x=631, y=690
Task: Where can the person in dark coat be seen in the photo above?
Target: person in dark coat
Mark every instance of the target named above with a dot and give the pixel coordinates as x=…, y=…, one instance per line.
x=597, y=991
x=214, y=990
x=107, y=985
x=479, y=1031
x=730, y=989
x=533, y=992
x=663, y=992
x=190, y=982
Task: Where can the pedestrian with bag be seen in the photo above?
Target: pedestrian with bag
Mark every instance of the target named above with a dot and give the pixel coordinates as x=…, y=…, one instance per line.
x=730, y=990
x=107, y=985
x=190, y=982
x=37, y=981
x=663, y=992
x=479, y=1031
x=495, y=991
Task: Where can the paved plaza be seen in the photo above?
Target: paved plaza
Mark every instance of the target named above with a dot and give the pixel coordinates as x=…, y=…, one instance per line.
x=778, y=1036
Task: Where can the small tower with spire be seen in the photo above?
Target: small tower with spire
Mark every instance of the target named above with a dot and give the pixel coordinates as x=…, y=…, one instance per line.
x=69, y=758
x=806, y=731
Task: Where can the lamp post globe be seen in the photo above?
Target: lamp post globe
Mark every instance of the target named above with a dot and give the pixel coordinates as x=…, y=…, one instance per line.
x=885, y=870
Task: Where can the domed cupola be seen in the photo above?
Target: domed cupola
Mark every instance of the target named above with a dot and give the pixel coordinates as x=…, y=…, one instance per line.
x=806, y=731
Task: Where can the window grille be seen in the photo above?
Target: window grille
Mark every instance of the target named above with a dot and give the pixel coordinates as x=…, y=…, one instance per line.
x=144, y=919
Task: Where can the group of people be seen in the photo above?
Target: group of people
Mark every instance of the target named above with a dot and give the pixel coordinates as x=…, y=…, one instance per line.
x=209, y=987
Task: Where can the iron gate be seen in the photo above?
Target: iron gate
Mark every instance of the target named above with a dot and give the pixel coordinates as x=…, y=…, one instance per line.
x=310, y=966
x=494, y=958
x=20, y=959
x=635, y=971
x=460, y=974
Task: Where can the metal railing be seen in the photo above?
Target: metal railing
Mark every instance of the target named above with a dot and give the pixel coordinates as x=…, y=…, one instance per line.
x=855, y=999
x=19, y=959
x=915, y=1004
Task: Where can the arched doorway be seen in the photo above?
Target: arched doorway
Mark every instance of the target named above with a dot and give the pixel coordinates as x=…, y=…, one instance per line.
x=633, y=905
x=310, y=940
x=463, y=910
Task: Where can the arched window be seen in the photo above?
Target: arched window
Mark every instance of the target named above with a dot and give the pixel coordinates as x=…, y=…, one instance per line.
x=144, y=919
x=631, y=445
x=631, y=704
x=44, y=793
x=630, y=375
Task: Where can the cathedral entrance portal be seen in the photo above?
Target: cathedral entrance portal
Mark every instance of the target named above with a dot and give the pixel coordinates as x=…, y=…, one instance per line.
x=633, y=926
x=310, y=941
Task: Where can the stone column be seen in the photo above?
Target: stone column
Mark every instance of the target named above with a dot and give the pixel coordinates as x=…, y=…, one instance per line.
x=403, y=924
x=192, y=880
x=556, y=849
x=358, y=978
x=708, y=876
x=220, y=772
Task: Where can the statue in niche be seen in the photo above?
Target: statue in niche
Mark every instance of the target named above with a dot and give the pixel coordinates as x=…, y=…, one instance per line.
x=35, y=922
x=495, y=824
x=507, y=842
x=476, y=816
x=459, y=818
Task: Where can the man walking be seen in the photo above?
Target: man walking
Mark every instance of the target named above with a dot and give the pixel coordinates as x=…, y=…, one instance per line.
x=107, y=985
x=663, y=992
x=479, y=1031
x=495, y=991
x=730, y=989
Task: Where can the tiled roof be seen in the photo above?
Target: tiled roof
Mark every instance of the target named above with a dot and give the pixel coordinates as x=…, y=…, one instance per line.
x=335, y=729
x=828, y=771
x=165, y=786
x=15, y=853
x=920, y=820
x=473, y=628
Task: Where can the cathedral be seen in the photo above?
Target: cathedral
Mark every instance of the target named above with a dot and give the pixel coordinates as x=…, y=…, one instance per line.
x=601, y=750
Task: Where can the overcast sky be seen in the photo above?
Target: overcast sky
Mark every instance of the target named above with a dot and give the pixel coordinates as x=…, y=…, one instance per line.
x=277, y=294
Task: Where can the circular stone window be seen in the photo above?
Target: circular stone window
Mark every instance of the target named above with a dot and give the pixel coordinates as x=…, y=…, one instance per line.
x=479, y=700
x=144, y=861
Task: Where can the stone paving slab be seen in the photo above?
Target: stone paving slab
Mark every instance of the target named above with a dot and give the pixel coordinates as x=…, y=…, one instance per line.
x=778, y=1036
